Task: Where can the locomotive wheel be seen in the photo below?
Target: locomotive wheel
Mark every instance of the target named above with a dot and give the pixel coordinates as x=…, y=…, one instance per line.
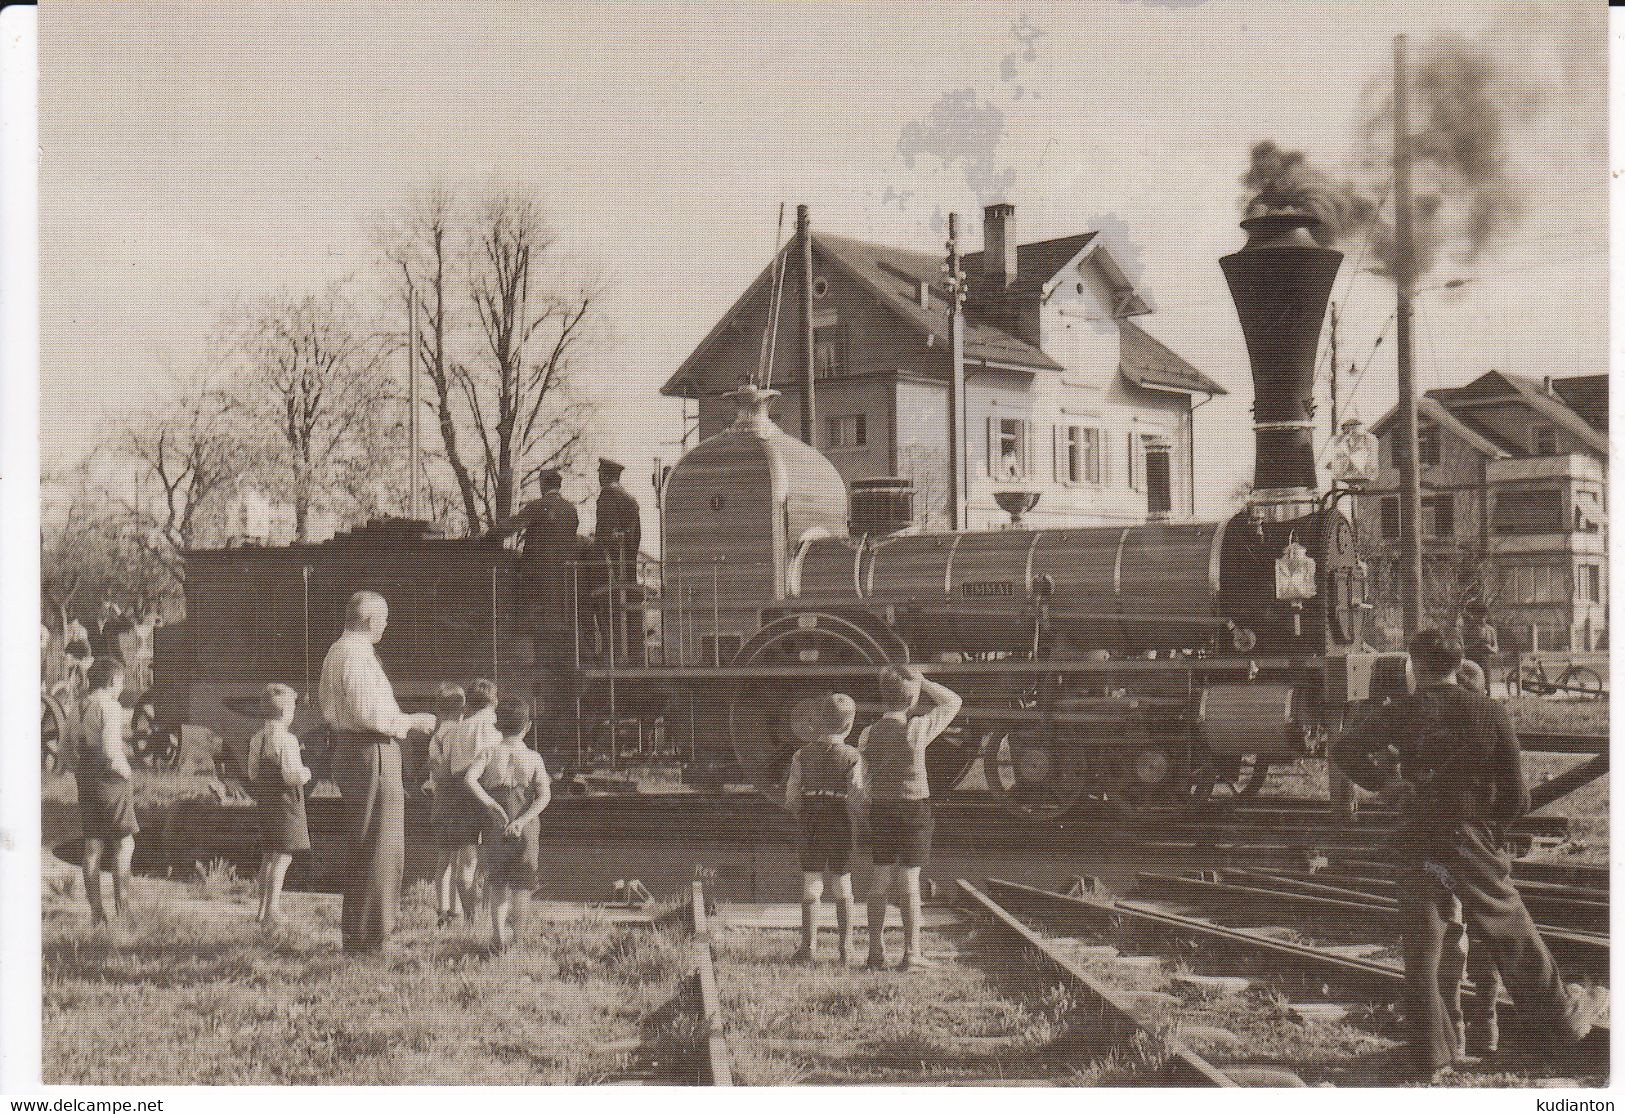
x=759, y=713
x=1030, y=777
x=53, y=735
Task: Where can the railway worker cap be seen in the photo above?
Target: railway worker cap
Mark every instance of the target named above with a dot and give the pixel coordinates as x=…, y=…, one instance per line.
x=610, y=469
x=550, y=479
x=277, y=700
x=821, y=718
x=1435, y=652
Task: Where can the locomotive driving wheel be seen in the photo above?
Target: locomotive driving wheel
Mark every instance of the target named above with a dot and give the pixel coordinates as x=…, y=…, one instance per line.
x=759, y=711
x=1032, y=777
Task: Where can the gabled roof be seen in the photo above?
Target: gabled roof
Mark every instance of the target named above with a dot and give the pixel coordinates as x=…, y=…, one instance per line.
x=1557, y=411
x=1147, y=362
x=1038, y=264
x=1429, y=408
x=894, y=275
x=1587, y=396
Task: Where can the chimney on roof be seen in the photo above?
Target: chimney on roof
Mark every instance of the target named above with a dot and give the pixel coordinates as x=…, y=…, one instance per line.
x=1549, y=384
x=999, y=244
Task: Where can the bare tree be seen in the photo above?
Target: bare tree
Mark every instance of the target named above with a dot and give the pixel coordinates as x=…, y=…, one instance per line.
x=188, y=456
x=314, y=384
x=532, y=322
x=420, y=253
x=498, y=377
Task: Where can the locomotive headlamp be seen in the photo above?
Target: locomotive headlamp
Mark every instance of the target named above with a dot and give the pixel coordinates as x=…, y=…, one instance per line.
x=1352, y=455
x=1295, y=580
x=1294, y=574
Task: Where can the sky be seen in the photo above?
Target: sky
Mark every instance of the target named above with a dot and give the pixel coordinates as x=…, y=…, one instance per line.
x=196, y=155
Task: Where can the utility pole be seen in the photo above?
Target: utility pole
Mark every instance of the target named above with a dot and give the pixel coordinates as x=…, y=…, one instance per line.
x=1334, y=369
x=413, y=506
x=809, y=365
x=958, y=482
x=1410, y=500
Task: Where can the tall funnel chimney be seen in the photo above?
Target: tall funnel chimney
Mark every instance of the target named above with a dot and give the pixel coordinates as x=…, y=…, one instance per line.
x=1280, y=281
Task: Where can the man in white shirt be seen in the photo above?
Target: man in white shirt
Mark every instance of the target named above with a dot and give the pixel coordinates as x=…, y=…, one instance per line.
x=358, y=704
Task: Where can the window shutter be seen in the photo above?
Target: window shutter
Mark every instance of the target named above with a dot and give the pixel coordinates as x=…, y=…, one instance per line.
x=1055, y=452
x=1029, y=463
x=1133, y=464
x=992, y=447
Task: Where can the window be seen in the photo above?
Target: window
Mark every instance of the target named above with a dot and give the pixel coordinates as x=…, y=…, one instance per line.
x=1007, y=448
x=1439, y=516
x=1545, y=437
x=1077, y=454
x=1530, y=511
x=829, y=350
x=1427, y=444
x=1526, y=584
x=1591, y=578
x=1390, y=516
x=846, y=431
x=1159, y=490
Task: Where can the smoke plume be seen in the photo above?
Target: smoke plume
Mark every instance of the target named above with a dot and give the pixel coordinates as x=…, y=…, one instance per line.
x=1469, y=115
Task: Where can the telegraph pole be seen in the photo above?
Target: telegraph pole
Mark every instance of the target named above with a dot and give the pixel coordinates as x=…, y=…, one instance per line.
x=958, y=493
x=1410, y=500
x=1334, y=369
x=809, y=364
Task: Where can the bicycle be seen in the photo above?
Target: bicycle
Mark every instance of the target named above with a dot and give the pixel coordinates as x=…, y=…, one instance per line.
x=1575, y=680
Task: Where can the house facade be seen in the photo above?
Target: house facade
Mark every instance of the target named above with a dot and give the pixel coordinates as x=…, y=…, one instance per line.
x=1066, y=395
x=1514, y=476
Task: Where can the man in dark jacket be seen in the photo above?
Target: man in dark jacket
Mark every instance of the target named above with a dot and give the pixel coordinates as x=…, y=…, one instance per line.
x=617, y=534
x=1453, y=756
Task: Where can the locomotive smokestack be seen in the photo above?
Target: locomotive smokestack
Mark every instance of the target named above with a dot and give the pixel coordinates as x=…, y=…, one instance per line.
x=1280, y=281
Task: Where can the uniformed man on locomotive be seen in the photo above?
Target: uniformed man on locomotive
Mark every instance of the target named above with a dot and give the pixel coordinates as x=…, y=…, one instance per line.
x=1452, y=755
x=548, y=580
x=617, y=538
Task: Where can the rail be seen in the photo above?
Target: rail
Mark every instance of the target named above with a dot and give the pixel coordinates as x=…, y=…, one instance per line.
x=716, y=1066
x=1184, y=1065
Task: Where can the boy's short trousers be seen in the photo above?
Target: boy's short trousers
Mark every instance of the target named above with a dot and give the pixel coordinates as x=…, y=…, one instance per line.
x=106, y=806
x=900, y=832
x=826, y=835
x=455, y=816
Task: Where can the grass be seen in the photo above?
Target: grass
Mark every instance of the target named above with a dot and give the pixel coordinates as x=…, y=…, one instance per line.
x=966, y=1020
x=152, y=788
x=192, y=992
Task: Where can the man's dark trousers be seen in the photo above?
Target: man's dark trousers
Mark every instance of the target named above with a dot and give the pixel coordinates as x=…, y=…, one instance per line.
x=1468, y=859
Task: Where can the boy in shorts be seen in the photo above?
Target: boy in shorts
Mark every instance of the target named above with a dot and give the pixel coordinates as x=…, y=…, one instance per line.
x=900, y=825
x=824, y=789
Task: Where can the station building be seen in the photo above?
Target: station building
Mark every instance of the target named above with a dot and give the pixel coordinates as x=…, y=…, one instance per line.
x=1067, y=394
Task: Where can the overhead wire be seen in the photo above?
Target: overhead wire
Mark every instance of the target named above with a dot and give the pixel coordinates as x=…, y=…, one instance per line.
x=770, y=334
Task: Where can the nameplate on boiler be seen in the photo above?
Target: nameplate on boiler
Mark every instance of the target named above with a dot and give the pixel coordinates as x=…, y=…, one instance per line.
x=979, y=589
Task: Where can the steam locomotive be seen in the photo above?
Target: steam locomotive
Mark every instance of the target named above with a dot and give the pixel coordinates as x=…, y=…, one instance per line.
x=1146, y=664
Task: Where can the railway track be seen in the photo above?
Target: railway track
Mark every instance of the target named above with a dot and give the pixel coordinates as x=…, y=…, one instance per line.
x=1324, y=980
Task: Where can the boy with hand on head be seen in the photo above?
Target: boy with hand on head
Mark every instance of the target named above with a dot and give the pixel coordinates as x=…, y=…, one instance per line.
x=101, y=771
x=900, y=823
x=510, y=781
x=277, y=776
x=825, y=788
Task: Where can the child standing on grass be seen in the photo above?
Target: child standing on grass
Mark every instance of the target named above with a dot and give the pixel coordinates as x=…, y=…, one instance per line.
x=825, y=788
x=277, y=777
x=511, y=782
x=102, y=775
x=456, y=816
x=900, y=823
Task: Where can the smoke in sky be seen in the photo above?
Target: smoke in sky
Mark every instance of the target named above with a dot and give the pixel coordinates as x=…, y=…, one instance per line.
x=1474, y=108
